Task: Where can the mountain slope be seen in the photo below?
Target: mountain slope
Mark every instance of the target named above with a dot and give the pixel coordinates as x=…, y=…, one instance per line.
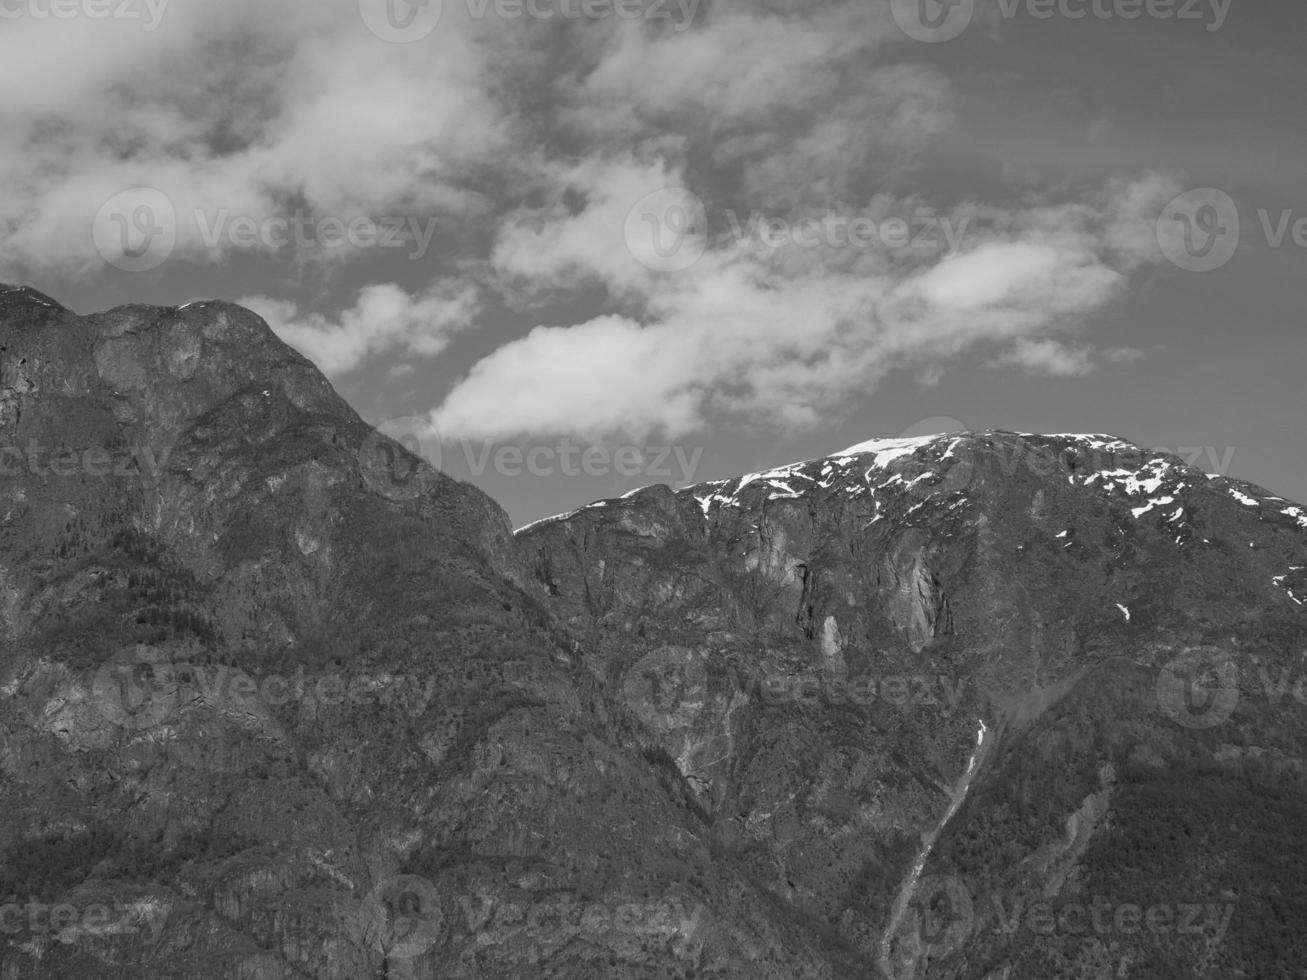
x=278, y=699
x=820, y=646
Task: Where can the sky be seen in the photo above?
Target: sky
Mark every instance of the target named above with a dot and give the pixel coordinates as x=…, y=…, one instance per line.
x=567, y=248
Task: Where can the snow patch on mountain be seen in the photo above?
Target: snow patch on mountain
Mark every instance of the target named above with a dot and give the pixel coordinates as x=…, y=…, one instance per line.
x=939, y=468
x=887, y=450
x=850, y=467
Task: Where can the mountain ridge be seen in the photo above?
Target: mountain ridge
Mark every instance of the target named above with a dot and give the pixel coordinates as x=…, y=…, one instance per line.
x=1034, y=450
x=288, y=701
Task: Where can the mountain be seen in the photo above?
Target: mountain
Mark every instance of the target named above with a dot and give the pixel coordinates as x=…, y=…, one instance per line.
x=936, y=694
x=277, y=699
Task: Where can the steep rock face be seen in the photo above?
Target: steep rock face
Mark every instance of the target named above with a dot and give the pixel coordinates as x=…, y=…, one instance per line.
x=815, y=646
x=277, y=699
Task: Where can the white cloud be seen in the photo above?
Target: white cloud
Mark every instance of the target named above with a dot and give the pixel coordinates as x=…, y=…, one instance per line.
x=782, y=337
x=550, y=247
x=603, y=376
x=550, y=134
x=742, y=65
x=245, y=107
x=1047, y=356
x=384, y=319
x=987, y=275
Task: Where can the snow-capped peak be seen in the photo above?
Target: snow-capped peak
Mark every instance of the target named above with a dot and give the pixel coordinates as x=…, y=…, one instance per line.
x=887, y=450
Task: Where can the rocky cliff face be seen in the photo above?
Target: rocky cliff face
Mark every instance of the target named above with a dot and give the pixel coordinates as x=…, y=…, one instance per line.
x=819, y=646
x=279, y=700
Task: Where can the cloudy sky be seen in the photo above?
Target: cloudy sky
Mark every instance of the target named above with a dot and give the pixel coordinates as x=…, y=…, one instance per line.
x=572, y=247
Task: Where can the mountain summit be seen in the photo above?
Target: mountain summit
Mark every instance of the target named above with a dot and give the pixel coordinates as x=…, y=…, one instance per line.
x=277, y=699
x=1005, y=665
